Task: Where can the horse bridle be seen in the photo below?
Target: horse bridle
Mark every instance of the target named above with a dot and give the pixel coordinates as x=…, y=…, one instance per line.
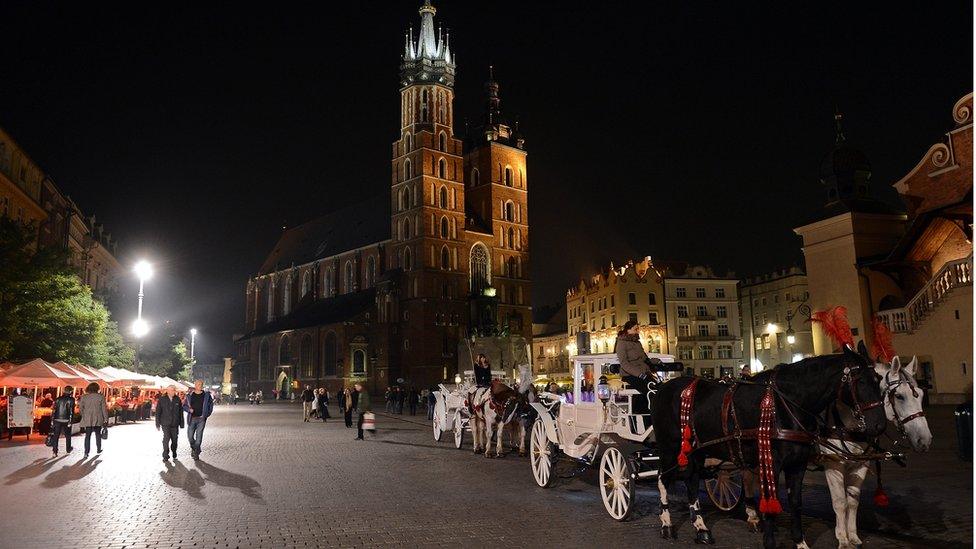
x=890, y=393
x=849, y=379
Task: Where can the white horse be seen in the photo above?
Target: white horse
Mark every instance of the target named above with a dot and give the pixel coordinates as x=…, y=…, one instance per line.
x=476, y=402
x=491, y=413
x=903, y=406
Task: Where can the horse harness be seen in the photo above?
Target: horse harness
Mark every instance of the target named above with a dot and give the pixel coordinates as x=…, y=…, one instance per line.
x=734, y=434
x=892, y=387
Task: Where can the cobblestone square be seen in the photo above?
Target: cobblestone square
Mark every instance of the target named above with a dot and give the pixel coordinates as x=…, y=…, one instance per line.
x=266, y=479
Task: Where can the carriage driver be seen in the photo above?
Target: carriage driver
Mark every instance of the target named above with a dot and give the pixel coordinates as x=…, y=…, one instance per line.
x=482, y=371
x=636, y=368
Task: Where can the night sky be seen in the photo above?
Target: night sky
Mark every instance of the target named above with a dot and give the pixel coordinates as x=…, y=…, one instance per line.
x=196, y=133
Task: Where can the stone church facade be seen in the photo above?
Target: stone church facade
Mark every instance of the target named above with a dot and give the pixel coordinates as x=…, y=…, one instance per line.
x=384, y=290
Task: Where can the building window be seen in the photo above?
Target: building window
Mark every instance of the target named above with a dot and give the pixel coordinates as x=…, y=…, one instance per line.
x=509, y=180
x=613, y=320
x=721, y=311
x=407, y=259
x=704, y=352
x=764, y=319
x=632, y=299
x=480, y=278
x=442, y=168
x=684, y=330
x=370, y=271
x=359, y=363
x=511, y=237
x=765, y=341
x=719, y=292
x=758, y=343
x=652, y=318
x=284, y=352
x=764, y=302
x=328, y=282
x=407, y=169
x=286, y=297
x=445, y=229
x=611, y=300
x=631, y=317
x=651, y=299
x=723, y=330
x=680, y=292
x=349, y=278
x=271, y=302
x=702, y=310
x=725, y=351
x=306, y=283
x=703, y=330
x=700, y=292
x=682, y=311
x=442, y=142
x=443, y=197
x=445, y=258
x=684, y=353
x=305, y=357
x=509, y=211
x=264, y=359
x=475, y=177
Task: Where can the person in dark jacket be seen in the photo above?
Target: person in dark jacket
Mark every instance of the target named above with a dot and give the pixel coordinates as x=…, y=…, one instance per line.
x=431, y=402
x=636, y=368
x=198, y=407
x=364, y=407
x=308, y=397
x=414, y=400
x=62, y=412
x=355, y=399
x=169, y=420
x=347, y=406
x=323, y=402
x=482, y=371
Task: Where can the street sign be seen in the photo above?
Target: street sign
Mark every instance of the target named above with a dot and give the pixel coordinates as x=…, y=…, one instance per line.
x=20, y=412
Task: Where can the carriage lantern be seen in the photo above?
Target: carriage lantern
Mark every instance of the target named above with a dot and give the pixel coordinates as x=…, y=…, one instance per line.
x=603, y=390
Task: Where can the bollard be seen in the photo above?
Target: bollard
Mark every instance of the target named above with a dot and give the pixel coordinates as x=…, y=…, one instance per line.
x=964, y=430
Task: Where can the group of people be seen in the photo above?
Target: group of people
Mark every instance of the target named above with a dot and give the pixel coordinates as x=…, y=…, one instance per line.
x=315, y=404
x=170, y=410
x=397, y=396
x=93, y=411
x=255, y=397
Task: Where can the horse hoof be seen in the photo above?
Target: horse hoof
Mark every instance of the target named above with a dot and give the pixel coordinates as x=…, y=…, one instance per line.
x=755, y=527
x=704, y=537
x=668, y=532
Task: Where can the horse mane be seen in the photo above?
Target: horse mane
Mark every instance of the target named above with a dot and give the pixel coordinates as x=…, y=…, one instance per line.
x=882, y=346
x=834, y=323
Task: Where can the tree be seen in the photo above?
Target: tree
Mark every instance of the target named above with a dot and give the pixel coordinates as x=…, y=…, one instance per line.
x=45, y=310
x=165, y=356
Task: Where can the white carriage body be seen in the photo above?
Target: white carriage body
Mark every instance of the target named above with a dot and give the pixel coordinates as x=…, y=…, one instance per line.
x=583, y=419
x=450, y=409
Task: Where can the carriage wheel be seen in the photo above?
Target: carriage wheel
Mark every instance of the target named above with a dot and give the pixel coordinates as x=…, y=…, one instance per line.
x=725, y=490
x=542, y=454
x=458, y=433
x=437, y=429
x=439, y=419
x=617, y=485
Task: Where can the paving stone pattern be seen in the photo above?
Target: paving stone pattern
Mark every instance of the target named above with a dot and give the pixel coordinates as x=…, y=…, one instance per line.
x=267, y=479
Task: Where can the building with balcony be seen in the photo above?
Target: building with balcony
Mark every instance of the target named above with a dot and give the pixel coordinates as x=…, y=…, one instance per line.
x=911, y=270
x=775, y=328
x=702, y=320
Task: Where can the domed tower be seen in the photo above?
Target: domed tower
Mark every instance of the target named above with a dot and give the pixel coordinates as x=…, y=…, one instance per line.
x=845, y=171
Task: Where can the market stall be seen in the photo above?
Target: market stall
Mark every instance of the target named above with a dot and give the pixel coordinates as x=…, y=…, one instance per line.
x=41, y=382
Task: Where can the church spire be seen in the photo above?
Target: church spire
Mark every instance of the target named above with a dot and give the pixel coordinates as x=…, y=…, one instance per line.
x=429, y=58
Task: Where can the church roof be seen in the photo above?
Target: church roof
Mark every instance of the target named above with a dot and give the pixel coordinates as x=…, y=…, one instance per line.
x=321, y=312
x=352, y=227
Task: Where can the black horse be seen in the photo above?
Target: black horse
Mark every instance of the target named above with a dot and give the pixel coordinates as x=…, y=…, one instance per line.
x=802, y=391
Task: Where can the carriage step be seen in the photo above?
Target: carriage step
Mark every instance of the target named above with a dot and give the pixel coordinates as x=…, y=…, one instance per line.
x=646, y=474
x=651, y=458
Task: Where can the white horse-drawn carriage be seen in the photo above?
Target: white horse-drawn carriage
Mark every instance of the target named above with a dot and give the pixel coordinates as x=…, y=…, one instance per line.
x=450, y=407
x=595, y=424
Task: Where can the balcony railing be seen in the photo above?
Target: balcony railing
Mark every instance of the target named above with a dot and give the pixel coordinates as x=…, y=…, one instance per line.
x=953, y=274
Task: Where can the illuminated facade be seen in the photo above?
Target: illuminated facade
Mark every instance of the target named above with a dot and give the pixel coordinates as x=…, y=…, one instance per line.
x=384, y=290
x=770, y=306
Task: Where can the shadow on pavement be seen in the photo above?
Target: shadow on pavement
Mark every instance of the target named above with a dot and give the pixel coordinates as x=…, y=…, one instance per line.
x=450, y=448
x=68, y=473
x=35, y=469
x=178, y=476
x=221, y=477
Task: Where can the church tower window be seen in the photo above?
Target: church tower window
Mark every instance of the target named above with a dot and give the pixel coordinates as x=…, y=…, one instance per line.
x=475, y=177
x=443, y=141
x=443, y=196
x=480, y=275
x=442, y=168
x=407, y=259
x=444, y=228
x=445, y=258
x=509, y=180
x=350, y=277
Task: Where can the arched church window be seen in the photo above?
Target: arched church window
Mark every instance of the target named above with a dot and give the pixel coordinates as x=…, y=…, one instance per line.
x=442, y=168
x=407, y=259
x=271, y=301
x=370, y=271
x=509, y=180
x=445, y=258
x=511, y=237
x=443, y=142
x=286, y=297
x=479, y=268
x=443, y=197
x=444, y=228
x=406, y=229
x=509, y=211
x=284, y=352
x=349, y=277
x=407, y=169
x=475, y=177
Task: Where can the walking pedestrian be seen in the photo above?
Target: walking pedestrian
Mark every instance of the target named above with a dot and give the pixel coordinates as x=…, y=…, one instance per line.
x=414, y=400
x=258, y=397
x=341, y=397
x=198, y=407
x=388, y=397
x=364, y=407
x=355, y=397
x=323, y=404
x=308, y=399
x=169, y=420
x=94, y=416
x=401, y=395
x=62, y=412
x=347, y=407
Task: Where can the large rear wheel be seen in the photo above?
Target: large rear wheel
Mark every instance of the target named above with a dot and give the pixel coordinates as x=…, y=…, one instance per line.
x=439, y=419
x=725, y=490
x=458, y=433
x=617, y=486
x=542, y=455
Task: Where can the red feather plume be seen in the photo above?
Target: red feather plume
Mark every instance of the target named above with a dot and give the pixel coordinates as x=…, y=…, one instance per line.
x=883, y=346
x=834, y=323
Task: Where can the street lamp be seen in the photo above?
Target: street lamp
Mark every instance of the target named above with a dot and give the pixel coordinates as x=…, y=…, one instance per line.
x=144, y=271
x=193, y=340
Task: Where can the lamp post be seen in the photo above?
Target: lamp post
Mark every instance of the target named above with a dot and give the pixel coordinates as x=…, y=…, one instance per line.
x=140, y=327
x=193, y=340
x=790, y=333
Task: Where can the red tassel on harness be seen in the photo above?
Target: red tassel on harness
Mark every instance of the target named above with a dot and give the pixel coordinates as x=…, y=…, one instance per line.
x=768, y=502
x=687, y=400
x=880, y=497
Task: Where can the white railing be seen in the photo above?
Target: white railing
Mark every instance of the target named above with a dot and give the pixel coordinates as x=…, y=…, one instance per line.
x=952, y=275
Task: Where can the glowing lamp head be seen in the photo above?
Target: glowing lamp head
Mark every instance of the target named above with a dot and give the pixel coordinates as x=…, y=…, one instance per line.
x=603, y=390
x=143, y=270
x=193, y=331
x=791, y=339
x=140, y=328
